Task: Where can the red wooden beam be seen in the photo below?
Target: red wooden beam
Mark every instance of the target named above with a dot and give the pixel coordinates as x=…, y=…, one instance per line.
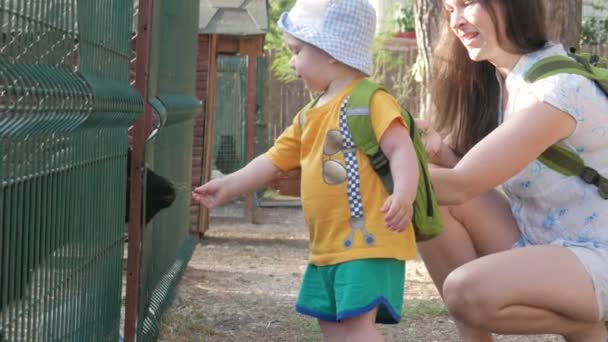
x=140, y=129
x=209, y=126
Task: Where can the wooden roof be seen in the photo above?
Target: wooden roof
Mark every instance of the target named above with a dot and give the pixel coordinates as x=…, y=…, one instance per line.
x=233, y=17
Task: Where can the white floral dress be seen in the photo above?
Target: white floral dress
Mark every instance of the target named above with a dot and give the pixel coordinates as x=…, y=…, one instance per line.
x=551, y=208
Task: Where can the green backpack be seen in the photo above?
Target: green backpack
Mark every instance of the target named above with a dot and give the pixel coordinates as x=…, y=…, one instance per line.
x=556, y=157
x=426, y=218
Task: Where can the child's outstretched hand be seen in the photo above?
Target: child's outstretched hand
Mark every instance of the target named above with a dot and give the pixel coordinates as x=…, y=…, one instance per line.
x=397, y=212
x=212, y=194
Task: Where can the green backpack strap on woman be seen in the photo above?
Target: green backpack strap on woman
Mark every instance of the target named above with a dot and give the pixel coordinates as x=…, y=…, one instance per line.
x=556, y=157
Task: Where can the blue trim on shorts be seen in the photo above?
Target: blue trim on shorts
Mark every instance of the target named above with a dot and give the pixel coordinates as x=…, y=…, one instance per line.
x=354, y=313
x=380, y=300
x=315, y=314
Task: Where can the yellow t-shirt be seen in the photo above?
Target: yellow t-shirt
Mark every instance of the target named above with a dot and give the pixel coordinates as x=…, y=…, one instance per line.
x=326, y=208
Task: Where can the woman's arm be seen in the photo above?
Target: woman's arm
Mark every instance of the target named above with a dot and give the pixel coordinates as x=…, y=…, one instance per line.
x=503, y=153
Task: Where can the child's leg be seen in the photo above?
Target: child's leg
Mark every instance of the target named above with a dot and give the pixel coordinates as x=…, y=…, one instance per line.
x=332, y=331
x=356, y=329
x=349, y=298
x=362, y=328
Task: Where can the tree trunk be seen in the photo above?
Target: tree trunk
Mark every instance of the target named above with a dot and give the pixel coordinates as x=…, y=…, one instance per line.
x=564, y=21
x=428, y=21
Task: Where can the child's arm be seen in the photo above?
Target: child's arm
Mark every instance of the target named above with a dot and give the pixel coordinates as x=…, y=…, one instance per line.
x=219, y=191
x=399, y=149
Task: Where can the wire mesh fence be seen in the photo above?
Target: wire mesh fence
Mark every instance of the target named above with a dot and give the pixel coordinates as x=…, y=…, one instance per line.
x=65, y=105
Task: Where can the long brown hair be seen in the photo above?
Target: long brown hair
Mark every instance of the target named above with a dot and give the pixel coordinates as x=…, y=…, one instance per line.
x=465, y=93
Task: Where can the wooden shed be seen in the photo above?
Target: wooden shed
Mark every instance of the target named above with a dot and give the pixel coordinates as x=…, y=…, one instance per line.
x=226, y=27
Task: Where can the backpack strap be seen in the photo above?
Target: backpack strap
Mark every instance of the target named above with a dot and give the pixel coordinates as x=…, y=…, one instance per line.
x=557, y=65
x=586, y=66
x=571, y=164
x=361, y=131
x=555, y=157
x=427, y=219
x=357, y=117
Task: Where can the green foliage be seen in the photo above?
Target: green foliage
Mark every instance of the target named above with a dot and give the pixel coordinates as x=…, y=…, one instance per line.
x=594, y=31
x=406, y=20
x=597, y=5
x=274, y=37
x=383, y=60
x=389, y=68
x=274, y=41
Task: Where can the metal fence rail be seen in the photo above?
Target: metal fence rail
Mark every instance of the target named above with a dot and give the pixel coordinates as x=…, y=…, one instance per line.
x=166, y=244
x=65, y=105
x=230, y=113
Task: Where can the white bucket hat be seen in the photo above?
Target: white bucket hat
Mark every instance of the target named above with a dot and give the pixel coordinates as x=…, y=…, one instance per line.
x=342, y=28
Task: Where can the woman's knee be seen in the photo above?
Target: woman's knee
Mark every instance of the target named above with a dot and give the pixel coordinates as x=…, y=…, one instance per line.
x=468, y=298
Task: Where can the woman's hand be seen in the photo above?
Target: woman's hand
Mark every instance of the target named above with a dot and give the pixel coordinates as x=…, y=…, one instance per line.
x=433, y=142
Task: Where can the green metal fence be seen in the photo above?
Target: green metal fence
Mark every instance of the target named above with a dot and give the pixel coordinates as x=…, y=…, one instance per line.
x=166, y=242
x=65, y=105
x=230, y=114
x=261, y=127
x=230, y=138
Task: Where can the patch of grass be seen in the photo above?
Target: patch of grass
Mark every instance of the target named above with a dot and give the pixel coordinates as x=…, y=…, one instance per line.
x=184, y=324
x=305, y=329
x=423, y=309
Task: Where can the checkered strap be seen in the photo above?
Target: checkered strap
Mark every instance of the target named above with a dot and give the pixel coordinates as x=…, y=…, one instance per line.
x=352, y=168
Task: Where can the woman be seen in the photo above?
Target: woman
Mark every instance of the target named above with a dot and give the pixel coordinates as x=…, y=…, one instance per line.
x=534, y=258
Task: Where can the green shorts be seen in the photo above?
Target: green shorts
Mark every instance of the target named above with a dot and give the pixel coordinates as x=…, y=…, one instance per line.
x=350, y=289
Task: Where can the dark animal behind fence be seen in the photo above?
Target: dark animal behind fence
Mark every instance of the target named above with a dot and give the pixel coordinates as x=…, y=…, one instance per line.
x=160, y=193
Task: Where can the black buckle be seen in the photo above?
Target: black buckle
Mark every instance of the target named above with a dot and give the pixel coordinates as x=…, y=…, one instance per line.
x=590, y=176
x=602, y=188
x=380, y=163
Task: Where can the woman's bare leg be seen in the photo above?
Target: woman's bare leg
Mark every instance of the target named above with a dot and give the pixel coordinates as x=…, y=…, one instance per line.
x=481, y=226
x=532, y=290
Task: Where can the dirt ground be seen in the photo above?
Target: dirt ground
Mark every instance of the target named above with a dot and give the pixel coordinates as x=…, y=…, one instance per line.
x=242, y=281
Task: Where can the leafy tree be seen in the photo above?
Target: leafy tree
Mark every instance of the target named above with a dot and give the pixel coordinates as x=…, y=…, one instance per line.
x=594, y=30
x=405, y=19
x=274, y=40
x=597, y=5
